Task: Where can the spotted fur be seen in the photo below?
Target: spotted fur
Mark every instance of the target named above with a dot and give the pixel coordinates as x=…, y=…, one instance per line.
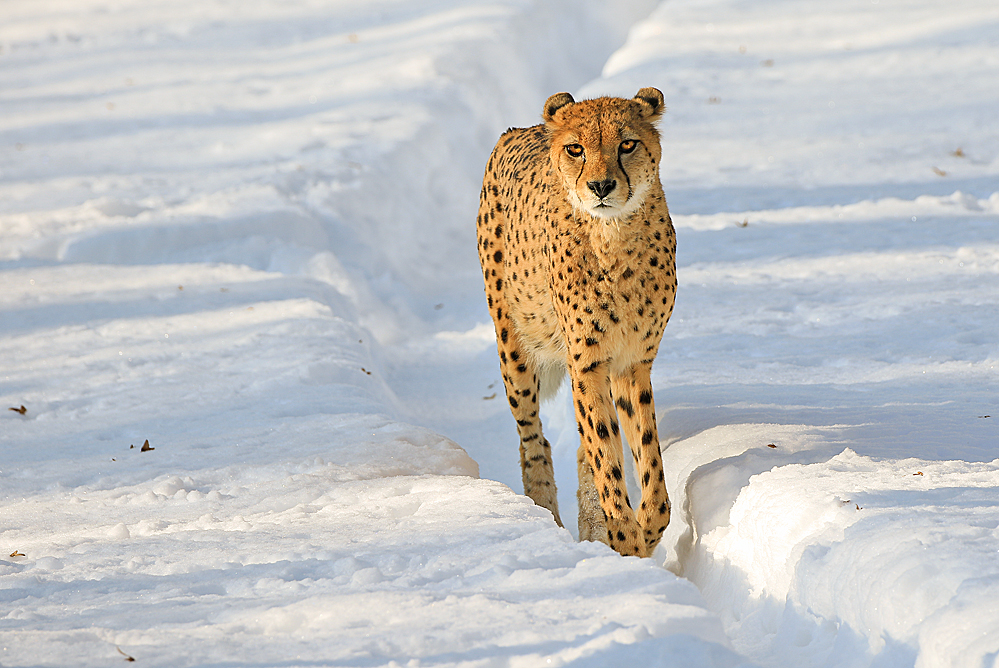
x=578, y=256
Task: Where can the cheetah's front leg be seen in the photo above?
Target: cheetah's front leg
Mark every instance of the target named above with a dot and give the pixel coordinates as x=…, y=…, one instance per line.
x=633, y=391
x=600, y=440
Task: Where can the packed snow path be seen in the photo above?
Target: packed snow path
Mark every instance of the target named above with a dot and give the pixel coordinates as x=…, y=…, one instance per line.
x=245, y=233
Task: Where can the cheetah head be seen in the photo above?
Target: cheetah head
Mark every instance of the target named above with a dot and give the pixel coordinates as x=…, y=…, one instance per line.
x=606, y=151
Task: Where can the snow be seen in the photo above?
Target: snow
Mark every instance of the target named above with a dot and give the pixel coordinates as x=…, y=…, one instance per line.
x=243, y=231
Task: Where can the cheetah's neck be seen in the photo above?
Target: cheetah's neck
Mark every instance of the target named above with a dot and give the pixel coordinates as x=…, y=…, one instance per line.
x=611, y=238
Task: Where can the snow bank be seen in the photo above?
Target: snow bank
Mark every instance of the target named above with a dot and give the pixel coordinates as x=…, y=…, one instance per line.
x=302, y=563
x=834, y=562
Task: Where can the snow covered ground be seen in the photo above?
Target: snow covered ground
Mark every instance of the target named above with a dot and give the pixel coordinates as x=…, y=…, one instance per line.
x=244, y=232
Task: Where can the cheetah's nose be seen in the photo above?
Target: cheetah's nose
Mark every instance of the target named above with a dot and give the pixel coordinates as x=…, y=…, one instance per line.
x=601, y=188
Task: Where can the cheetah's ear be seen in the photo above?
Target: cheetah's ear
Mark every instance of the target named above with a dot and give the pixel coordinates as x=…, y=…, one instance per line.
x=652, y=102
x=554, y=103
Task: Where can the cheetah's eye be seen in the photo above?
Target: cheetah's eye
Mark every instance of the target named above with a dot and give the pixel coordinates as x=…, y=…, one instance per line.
x=628, y=145
x=574, y=150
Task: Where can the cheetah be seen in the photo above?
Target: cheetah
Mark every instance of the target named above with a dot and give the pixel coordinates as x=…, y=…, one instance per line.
x=578, y=256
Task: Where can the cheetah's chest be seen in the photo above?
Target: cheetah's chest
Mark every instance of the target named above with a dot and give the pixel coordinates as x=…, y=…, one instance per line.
x=613, y=298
